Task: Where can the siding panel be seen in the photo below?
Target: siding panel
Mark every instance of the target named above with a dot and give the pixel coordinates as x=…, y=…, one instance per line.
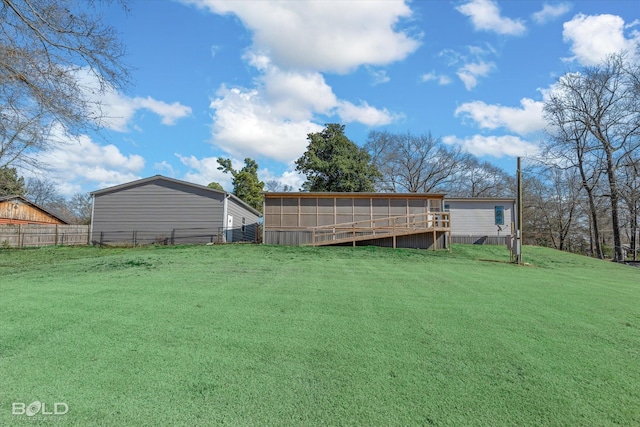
x=476, y=217
x=154, y=210
x=248, y=233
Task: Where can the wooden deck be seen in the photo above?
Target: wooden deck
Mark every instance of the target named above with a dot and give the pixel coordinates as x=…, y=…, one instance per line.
x=388, y=227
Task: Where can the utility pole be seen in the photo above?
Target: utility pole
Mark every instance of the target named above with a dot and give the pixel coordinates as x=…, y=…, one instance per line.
x=519, y=210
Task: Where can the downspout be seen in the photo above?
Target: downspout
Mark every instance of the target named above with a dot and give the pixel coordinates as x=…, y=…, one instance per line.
x=93, y=207
x=224, y=217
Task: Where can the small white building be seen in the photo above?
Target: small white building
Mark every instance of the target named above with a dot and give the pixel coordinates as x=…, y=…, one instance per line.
x=481, y=220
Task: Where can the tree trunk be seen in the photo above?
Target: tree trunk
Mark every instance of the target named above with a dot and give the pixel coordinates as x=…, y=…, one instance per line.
x=613, y=188
x=593, y=213
x=634, y=233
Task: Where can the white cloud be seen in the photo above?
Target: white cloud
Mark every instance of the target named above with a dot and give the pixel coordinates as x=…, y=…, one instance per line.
x=297, y=96
x=485, y=15
x=116, y=111
x=293, y=43
x=594, y=37
x=205, y=170
x=524, y=120
x=291, y=178
x=471, y=65
x=244, y=125
x=364, y=113
x=442, y=79
x=469, y=73
x=165, y=168
x=170, y=113
x=378, y=76
x=214, y=50
x=82, y=163
x=313, y=35
x=274, y=118
x=550, y=11
x=496, y=146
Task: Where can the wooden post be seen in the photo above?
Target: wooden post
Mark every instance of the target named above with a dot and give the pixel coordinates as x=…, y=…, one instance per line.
x=55, y=242
x=354, y=234
x=519, y=230
x=19, y=235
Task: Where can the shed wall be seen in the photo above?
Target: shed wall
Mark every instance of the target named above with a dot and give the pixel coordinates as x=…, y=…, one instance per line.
x=156, y=211
x=245, y=222
x=477, y=218
x=18, y=212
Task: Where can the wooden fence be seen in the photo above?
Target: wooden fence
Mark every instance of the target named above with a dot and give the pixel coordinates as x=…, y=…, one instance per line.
x=32, y=235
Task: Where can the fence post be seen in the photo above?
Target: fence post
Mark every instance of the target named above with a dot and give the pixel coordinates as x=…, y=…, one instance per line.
x=135, y=238
x=20, y=235
x=354, y=234
x=173, y=236
x=55, y=238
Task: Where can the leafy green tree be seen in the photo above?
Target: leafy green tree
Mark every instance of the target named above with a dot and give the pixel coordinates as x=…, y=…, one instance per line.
x=333, y=162
x=10, y=183
x=215, y=186
x=246, y=184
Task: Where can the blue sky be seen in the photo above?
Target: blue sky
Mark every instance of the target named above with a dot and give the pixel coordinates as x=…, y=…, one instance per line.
x=252, y=78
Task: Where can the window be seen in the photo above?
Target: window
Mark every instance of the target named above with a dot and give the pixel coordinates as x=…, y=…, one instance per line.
x=243, y=224
x=499, y=215
x=447, y=208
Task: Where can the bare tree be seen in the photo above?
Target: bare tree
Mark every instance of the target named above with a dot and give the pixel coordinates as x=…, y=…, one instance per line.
x=275, y=186
x=603, y=109
x=42, y=191
x=81, y=205
x=411, y=163
x=630, y=196
x=47, y=50
x=555, y=201
x=480, y=179
x=570, y=145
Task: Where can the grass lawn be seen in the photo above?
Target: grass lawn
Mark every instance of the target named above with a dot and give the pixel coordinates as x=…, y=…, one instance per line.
x=265, y=335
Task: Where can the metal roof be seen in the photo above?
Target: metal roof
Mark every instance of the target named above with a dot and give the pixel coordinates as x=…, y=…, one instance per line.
x=175, y=181
x=480, y=199
x=304, y=194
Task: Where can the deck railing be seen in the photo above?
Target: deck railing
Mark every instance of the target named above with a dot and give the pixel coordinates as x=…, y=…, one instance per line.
x=380, y=228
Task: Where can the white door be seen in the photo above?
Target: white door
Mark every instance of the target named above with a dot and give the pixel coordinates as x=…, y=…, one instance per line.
x=229, y=236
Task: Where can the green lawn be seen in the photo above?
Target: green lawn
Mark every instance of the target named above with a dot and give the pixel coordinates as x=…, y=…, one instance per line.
x=264, y=335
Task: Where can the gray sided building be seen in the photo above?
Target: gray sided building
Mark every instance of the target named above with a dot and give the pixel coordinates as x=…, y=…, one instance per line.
x=164, y=210
x=481, y=220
